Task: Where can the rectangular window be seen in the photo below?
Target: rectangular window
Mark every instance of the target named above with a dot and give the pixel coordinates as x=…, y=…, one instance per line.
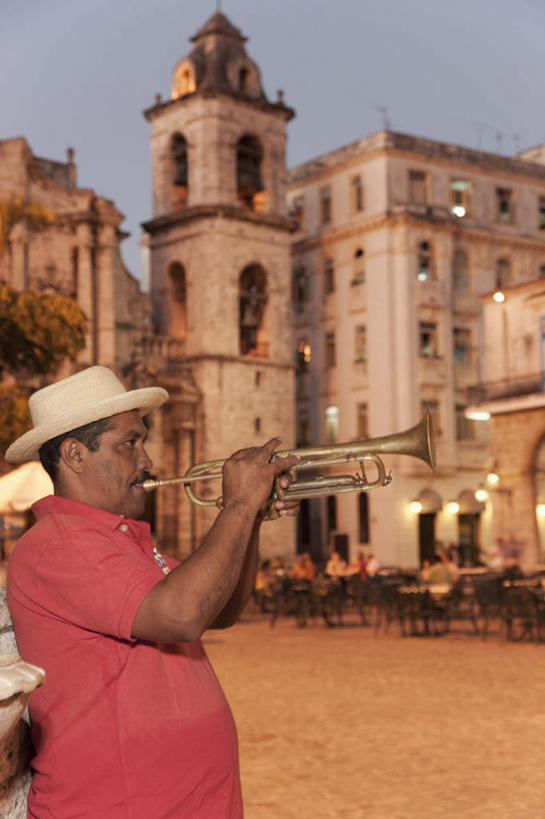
x=360, y=343
x=303, y=432
x=330, y=354
x=428, y=339
x=300, y=285
x=325, y=205
x=362, y=421
x=541, y=213
x=329, y=277
x=462, y=346
x=356, y=193
x=304, y=356
x=464, y=426
x=297, y=211
x=504, y=205
x=332, y=424
x=418, y=188
x=331, y=506
x=433, y=408
x=363, y=517
x=459, y=197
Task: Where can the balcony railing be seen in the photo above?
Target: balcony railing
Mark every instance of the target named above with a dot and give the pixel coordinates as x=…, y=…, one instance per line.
x=507, y=388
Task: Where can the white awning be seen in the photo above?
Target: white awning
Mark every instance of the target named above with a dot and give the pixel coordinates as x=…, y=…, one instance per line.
x=21, y=487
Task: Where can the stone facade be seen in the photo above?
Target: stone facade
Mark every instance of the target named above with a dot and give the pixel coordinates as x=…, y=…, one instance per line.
x=399, y=237
x=77, y=254
x=219, y=247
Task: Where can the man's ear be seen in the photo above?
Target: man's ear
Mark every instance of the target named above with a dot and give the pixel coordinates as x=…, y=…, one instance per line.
x=74, y=454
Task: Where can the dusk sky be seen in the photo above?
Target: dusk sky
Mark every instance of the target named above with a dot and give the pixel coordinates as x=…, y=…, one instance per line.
x=78, y=73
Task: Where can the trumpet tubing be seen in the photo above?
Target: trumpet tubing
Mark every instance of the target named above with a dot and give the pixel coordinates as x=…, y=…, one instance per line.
x=416, y=442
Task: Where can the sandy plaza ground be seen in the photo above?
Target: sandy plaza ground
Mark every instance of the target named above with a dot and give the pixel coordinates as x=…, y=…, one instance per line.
x=342, y=723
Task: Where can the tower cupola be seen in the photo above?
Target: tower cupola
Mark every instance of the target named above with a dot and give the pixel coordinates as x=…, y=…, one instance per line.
x=218, y=62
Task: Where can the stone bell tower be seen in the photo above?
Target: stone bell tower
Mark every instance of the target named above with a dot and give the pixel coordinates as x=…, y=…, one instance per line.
x=219, y=242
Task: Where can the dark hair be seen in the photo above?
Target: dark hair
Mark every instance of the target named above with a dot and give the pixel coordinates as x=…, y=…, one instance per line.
x=88, y=435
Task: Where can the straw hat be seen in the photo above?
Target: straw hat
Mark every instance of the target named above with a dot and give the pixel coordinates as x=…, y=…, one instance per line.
x=88, y=396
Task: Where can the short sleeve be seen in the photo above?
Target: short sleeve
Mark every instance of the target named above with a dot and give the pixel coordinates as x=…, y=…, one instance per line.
x=96, y=583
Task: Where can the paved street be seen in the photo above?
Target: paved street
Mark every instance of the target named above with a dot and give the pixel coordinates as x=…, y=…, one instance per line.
x=340, y=723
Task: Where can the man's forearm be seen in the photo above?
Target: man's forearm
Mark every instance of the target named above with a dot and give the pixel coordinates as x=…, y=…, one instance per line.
x=190, y=598
x=245, y=585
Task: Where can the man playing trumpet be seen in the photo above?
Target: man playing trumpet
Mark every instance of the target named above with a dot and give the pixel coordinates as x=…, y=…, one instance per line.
x=131, y=720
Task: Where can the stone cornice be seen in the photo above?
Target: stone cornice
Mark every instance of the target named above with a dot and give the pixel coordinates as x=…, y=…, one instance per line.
x=166, y=222
x=436, y=222
x=278, y=109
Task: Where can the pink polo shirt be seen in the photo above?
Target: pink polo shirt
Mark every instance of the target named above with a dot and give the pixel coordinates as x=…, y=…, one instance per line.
x=121, y=728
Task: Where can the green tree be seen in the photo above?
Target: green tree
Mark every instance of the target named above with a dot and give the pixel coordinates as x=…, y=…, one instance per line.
x=37, y=332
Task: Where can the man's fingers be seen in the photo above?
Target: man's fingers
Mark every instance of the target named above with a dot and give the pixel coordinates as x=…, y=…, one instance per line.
x=284, y=464
x=269, y=448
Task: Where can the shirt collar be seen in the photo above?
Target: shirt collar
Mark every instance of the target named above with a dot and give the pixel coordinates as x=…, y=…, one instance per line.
x=57, y=505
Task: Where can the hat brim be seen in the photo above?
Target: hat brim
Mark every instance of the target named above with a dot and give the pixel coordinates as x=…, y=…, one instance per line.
x=26, y=447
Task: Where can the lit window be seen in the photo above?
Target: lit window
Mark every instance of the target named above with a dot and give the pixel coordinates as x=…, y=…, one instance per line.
x=459, y=197
x=356, y=188
x=325, y=206
x=462, y=345
x=332, y=424
x=428, y=339
x=504, y=205
x=425, y=262
x=304, y=355
x=418, y=187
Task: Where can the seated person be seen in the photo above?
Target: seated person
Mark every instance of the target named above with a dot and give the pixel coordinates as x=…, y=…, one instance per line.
x=303, y=568
x=335, y=566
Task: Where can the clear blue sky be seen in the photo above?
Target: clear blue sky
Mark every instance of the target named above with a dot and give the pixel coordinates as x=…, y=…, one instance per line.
x=80, y=72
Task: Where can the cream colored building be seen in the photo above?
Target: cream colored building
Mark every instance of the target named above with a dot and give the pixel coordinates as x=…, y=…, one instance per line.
x=510, y=401
x=399, y=237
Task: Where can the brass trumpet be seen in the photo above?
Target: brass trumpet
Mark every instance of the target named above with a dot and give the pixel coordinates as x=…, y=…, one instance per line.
x=416, y=442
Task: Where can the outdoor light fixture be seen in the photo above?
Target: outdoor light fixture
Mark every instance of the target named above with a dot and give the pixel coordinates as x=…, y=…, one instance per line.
x=453, y=507
x=477, y=415
x=458, y=210
x=493, y=478
x=481, y=495
x=415, y=507
x=540, y=509
x=499, y=297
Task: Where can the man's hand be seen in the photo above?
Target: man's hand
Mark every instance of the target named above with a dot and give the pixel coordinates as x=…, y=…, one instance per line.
x=249, y=474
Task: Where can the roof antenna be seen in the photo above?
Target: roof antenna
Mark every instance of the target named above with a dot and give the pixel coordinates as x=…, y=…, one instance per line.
x=386, y=122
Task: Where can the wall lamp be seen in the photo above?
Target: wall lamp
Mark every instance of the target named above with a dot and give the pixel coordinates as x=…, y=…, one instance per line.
x=415, y=507
x=453, y=507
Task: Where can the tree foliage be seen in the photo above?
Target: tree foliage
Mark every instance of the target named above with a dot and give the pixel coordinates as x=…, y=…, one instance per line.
x=37, y=332
x=15, y=210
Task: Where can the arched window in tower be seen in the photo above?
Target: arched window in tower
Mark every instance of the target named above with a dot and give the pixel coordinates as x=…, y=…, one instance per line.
x=252, y=301
x=249, y=178
x=176, y=298
x=179, y=156
x=503, y=273
x=243, y=80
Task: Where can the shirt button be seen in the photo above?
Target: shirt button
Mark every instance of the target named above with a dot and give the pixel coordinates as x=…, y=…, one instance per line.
x=123, y=528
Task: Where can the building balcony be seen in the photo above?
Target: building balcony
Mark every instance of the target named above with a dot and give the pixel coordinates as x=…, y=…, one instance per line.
x=507, y=388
